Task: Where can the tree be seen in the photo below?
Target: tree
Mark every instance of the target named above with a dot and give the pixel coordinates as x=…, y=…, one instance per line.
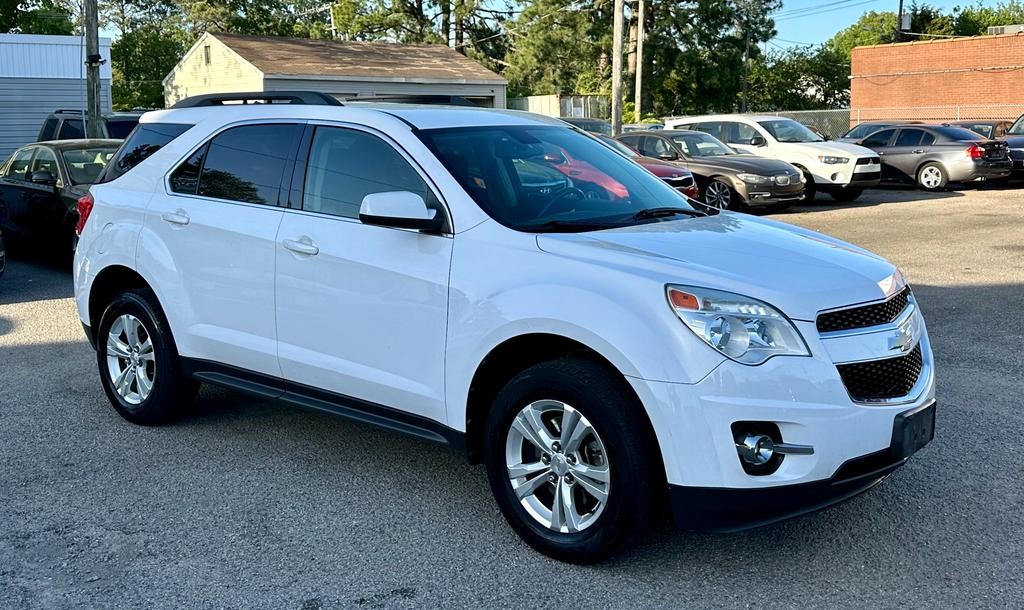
x=800, y=78
x=140, y=59
x=36, y=17
x=975, y=20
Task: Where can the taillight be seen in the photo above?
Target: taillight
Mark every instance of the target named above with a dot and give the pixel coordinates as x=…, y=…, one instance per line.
x=975, y=152
x=84, y=206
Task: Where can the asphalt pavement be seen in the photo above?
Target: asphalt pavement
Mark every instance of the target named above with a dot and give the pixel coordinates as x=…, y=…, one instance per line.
x=252, y=504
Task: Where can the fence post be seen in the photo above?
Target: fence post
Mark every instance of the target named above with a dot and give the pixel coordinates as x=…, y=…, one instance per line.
x=958, y=113
x=858, y=116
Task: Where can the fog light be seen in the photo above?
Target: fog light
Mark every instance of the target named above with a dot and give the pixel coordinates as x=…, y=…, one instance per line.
x=756, y=449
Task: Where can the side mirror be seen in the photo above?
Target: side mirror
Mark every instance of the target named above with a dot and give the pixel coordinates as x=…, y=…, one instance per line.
x=668, y=156
x=400, y=210
x=758, y=141
x=42, y=177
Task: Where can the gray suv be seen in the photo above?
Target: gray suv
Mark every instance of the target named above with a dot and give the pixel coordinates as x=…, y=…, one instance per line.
x=67, y=124
x=932, y=156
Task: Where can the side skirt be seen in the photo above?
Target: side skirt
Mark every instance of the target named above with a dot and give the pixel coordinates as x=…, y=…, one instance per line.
x=274, y=388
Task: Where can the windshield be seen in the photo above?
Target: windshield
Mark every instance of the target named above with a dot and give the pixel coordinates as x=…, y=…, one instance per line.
x=789, y=131
x=697, y=144
x=1018, y=127
x=85, y=164
x=959, y=134
x=541, y=178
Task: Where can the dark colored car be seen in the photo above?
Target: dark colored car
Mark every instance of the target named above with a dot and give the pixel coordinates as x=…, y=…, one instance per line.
x=3, y=255
x=867, y=128
x=1014, y=138
x=40, y=185
x=67, y=124
x=679, y=178
x=932, y=156
x=726, y=178
x=993, y=130
x=592, y=125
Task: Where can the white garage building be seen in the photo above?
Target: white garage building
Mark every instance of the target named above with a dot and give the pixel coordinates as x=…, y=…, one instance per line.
x=425, y=73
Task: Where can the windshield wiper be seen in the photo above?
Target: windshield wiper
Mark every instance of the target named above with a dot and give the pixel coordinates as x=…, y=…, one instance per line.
x=662, y=212
x=571, y=226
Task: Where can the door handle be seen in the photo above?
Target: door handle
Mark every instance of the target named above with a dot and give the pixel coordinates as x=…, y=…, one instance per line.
x=177, y=217
x=918, y=151
x=303, y=246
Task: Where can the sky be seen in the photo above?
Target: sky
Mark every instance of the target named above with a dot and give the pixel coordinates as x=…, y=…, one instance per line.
x=815, y=21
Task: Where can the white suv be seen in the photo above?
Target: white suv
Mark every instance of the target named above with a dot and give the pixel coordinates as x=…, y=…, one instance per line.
x=840, y=169
x=503, y=284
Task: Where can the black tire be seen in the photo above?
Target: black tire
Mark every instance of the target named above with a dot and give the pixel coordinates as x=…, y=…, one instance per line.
x=721, y=188
x=636, y=473
x=846, y=195
x=810, y=188
x=172, y=392
x=923, y=179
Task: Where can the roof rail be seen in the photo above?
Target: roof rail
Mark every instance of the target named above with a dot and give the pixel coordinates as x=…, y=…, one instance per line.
x=68, y=110
x=309, y=98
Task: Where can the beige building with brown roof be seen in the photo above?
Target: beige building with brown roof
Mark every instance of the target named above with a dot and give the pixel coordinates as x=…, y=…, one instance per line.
x=426, y=73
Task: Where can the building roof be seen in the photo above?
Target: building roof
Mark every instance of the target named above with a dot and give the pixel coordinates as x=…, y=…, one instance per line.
x=358, y=60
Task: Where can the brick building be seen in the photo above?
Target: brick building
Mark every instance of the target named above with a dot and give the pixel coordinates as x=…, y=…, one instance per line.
x=959, y=78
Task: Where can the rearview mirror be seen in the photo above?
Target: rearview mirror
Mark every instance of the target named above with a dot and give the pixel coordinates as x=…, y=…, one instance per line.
x=400, y=210
x=758, y=141
x=42, y=177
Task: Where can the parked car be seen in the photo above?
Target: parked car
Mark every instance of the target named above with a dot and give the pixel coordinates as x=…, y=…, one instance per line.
x=67, y=124
x=596, y=355
x=932, y=156
x=641, y=127
x=727, y=179
x=678, y=177
x=840, y=169
x=1014, y=138
x=592, y=125
x=993, y=130
x=863, y=130
x=3, y=255
x=40, y=185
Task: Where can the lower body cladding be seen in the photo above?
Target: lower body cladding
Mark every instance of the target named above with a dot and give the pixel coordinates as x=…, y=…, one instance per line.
x=827, y=448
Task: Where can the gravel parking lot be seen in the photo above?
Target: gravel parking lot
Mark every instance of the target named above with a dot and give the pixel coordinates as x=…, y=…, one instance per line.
x=250, y=504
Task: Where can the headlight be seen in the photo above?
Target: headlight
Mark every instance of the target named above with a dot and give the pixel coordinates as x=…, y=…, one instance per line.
x=754, y=178
x=827, y=160
x=741, y=328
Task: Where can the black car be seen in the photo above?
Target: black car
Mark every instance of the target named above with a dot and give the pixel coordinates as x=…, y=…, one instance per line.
x=40, y=185
x=1014, y=138
x=592, y=125
x=67, y=124
x=3, y=255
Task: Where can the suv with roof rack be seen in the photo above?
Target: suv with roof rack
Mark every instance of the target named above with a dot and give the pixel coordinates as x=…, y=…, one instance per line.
x=65, y=124
x=599, y=342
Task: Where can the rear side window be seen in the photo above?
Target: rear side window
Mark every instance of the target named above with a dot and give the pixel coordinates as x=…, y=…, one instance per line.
x=909, y=137
x=48, y=130
x=141, y=143
x=246, y=163
x=19, y=163
x=119, y=129
x=713, y=129
x=958, y=134
x=72, y=129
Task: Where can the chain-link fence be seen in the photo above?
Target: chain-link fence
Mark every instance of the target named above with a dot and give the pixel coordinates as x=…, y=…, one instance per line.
x=834, y=123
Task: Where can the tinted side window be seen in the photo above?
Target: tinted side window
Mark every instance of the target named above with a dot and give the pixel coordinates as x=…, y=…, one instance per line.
x=880, y=138
x=19, y=163
x=141, y=143
x=185, y=179
x=48, y=130
x=631, y=141
x=656, y=147
x=346, y=165
x=119, y=129
x=743, y=134
x=714, y=129
x=45, y=161
x=927, y=139
x=71, y=129
x=909, y=137
x=246, y=163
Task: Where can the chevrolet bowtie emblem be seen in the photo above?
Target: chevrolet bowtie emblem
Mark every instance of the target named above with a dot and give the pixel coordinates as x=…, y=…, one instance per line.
x=902, y=339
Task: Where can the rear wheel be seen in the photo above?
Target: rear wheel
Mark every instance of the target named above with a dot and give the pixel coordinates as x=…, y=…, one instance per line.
x=571, y=461
x=139, y=365
x=846, y=194
x=932, y=177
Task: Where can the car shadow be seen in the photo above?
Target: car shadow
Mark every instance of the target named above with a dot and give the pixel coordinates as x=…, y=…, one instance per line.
x=883, y=195
x=31, y=278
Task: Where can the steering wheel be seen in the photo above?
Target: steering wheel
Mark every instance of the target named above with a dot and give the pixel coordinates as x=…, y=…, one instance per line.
x=577, y=194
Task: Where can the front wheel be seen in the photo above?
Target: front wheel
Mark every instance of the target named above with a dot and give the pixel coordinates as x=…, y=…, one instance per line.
x=571, y=460
x=846, y=195
x=139, y=365
x=720, y=195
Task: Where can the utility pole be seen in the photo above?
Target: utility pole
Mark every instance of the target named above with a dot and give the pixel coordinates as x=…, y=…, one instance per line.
x=93, y=61
x=617, y=26
x=899, y=23
x=637, y=95
x=746, y=64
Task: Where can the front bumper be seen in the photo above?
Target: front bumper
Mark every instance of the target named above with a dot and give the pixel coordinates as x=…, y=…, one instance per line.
x=758, y=195
x=863, y=172
x=730, y=510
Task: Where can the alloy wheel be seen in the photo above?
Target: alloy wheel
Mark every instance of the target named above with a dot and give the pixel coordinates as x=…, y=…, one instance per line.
x=131, y=362
x=558, y=466
x=931, y=177
x=718, y=195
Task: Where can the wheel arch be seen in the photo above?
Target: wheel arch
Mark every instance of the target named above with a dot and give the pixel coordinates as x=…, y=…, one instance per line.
x=109, y=283
x=515, y=355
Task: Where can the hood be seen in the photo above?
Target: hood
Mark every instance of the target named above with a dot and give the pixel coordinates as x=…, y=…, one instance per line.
x=798, y=271
x=835, y=148
x=744, y=164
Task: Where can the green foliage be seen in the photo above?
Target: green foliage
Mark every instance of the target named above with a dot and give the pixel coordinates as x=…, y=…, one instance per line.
x=800, y=78
x=35, y=17
x=975, y=20
x=140, y=59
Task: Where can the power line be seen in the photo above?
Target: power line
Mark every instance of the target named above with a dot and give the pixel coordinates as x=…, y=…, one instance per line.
x=820, y=10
